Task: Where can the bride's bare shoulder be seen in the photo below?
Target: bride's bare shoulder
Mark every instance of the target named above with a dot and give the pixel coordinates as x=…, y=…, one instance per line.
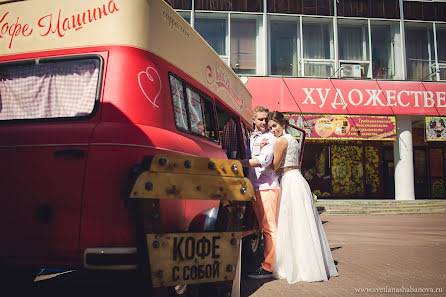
x=282, y=141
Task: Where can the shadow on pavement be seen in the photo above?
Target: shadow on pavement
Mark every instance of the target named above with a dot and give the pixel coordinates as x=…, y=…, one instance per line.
x=90, y=283
x=250, y=265
x=335, y=248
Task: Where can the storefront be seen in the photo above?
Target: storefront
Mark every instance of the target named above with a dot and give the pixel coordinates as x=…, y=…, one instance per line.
x=429, y=165
x=365, y=139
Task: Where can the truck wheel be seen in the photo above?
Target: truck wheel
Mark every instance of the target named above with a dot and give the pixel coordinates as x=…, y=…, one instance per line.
x=251, y=244
x=185, y=291
x=252, y=254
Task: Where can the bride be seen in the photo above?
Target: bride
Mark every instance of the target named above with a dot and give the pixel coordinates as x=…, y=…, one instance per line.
x=302, y=250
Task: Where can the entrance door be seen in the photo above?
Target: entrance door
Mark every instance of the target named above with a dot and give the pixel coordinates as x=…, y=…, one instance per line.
x=436, y=167
x=388, y=172
x=420, y=174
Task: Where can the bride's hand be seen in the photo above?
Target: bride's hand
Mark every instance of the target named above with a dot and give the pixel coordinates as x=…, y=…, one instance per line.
x=263, y=143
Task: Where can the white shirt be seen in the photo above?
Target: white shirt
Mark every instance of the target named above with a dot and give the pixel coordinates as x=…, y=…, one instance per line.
x=263, y=178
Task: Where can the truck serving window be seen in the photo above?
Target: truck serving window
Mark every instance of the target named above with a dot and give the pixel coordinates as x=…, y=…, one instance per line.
x=48, y=89
x=179, y=106
x=193, y=111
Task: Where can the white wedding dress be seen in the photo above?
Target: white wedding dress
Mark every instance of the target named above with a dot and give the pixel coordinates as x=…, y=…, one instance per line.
x=302, y=250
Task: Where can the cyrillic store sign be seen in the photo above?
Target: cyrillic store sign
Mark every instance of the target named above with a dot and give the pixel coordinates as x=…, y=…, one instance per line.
x=345, y=126
x=353, y=97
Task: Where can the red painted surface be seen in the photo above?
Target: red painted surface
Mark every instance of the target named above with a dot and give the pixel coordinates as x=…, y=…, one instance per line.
x=134, y=119
x=372, y=97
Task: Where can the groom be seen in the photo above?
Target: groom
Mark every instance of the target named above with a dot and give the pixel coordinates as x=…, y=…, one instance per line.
x=266, y=186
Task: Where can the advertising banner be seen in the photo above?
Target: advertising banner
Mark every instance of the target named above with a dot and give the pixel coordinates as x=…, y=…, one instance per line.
x=435, y=128
x=349, y=127
x=347, y=96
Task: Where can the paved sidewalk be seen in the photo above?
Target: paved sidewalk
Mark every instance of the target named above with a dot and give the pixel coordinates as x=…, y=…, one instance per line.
x=398, y=252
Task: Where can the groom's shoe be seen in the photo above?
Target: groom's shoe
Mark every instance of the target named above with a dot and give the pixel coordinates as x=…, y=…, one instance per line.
x=260, y=274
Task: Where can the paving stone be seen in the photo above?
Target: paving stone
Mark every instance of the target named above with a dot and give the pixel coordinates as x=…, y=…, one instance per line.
x=373, y=251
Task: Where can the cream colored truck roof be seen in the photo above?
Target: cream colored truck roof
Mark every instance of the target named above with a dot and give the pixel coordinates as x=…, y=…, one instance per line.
x=38, y=25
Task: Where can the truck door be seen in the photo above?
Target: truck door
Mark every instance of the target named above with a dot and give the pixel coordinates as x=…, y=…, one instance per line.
x=47, y=115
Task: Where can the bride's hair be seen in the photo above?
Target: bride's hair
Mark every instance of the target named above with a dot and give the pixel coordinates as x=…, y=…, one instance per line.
x=278, y=117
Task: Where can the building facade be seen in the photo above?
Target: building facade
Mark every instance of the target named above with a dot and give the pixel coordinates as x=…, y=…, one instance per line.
x=366, y=78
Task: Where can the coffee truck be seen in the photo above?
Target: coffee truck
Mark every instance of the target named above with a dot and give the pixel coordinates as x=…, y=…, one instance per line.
x=112, y=116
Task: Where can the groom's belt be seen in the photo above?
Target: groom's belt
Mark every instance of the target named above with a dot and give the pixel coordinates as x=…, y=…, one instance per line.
x=285, y=169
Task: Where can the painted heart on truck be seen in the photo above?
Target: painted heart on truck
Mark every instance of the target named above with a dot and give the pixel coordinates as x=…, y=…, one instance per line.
x=150, y=84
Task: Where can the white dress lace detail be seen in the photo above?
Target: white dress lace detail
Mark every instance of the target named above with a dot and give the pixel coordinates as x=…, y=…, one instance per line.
x=292, y=152
x=302, y=250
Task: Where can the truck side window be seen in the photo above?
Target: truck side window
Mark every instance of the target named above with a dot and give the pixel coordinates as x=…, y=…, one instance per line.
x=179, y=105
x=245, y=139
x=49, y=89
x=229, y=133
x=193, y=111
x=210, y=124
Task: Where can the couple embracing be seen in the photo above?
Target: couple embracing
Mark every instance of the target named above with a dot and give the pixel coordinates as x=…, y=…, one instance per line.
x=296, y=247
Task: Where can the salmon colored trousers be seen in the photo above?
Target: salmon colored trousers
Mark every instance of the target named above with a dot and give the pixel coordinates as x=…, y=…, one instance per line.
x=265, y=210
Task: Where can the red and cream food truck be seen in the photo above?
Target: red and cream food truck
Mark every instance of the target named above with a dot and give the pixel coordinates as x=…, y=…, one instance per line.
x=111, y=121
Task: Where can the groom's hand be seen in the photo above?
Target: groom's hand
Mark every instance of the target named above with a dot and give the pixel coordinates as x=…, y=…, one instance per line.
x=263, y=143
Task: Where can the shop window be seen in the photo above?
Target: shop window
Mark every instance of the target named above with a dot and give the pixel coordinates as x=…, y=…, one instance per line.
x=284, y=47
x=420, y=55
x=441, y=50
x=230, y=5
x=180, y=4
x=373, y=171
x=347, y=170
x=318, y=52
x=386, y=50
x=315, y=169
x=244, y=45
x=353, y=43
x=214, y=31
